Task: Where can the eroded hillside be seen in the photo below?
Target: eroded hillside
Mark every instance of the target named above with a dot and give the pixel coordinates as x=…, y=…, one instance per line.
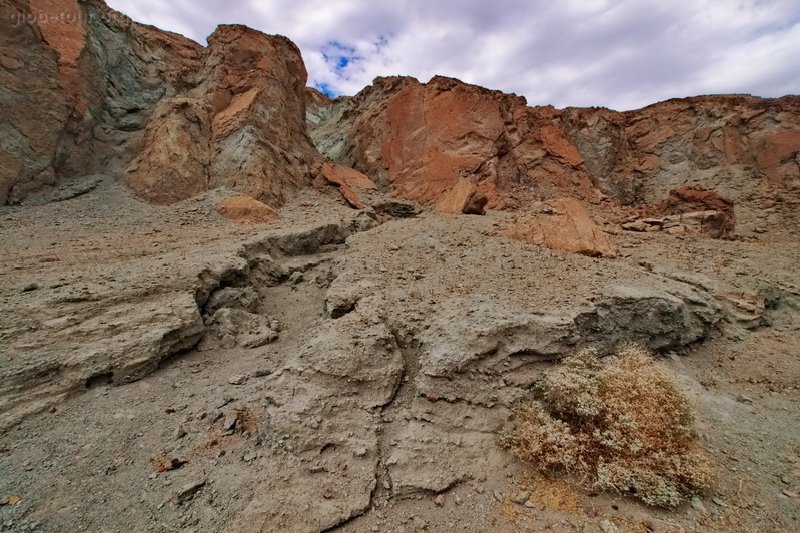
x=230, y=303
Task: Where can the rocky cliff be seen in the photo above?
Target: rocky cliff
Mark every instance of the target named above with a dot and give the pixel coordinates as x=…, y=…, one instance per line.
x=85, y=90
x=422, y=140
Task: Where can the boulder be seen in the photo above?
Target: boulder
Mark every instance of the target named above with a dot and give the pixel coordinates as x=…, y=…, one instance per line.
x=463, y=198
x=350, y=183
x=245, y=210
x=571, y=229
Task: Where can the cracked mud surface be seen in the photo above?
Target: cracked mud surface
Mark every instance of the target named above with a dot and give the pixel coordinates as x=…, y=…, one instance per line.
x=172, y=371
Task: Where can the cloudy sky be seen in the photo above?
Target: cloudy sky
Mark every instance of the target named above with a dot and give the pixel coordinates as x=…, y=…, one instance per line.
x=621, y=54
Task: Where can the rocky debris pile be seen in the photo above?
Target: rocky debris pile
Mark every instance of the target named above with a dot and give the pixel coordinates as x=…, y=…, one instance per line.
x=697, y=222
x=690, y=210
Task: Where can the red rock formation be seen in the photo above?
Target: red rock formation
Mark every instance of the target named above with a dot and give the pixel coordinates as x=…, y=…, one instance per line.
x=239, y=129
x=350, y=183
x=424, y=139
x=735, y=145
x=34, y=105
x=85, y=90
x=171, y=117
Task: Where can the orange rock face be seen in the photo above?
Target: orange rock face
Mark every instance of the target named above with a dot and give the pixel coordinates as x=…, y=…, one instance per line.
x=428, y=141
x=570, y=229
x=425, y=139
x=246, y=210
x=349, y=182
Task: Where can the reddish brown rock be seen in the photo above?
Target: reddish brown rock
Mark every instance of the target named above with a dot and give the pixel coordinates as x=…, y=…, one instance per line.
x=246, y=210
x=423, y=139
x=570, y=229
x=33, y=106
x=83, y=90
x=63, y=29
x=463, y=198
x=427, y=140
x=173, y=164
x=101, y=93
x=350, y=183
x=246, y=134
x=733, y=144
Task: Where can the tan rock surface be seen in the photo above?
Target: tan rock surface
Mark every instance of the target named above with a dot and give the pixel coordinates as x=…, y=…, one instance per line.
x=570, y=229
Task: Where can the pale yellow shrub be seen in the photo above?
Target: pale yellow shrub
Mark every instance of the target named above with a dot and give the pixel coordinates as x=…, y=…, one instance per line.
x=620, y=424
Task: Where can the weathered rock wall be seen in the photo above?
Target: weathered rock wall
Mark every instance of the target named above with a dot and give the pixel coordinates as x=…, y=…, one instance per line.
x=85, y=90
x=423, y=139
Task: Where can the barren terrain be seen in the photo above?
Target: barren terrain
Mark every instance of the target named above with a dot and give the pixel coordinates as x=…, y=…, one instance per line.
x=400, y=350
x=231, y=303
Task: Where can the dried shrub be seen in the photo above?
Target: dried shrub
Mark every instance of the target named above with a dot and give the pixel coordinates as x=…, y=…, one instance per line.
x=620, y=425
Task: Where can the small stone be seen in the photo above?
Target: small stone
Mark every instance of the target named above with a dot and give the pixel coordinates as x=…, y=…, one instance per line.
x=479, y=489
x=498, y=495
x=606, y=526
x=249, y=457
x=237, y=380
x=789, y=493
x=179, y=433
x=296, y=278
x=439, y=500
x=697, y=504
x=225, y=401
x=744, y=399
x=360, y=452
x=719, y=502
x=521, y=497
x=230, y=421
x=188, y=491
x=30, y=287
x=458, y=500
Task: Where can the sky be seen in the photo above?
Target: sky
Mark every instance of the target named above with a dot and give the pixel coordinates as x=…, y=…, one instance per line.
x=621, y=54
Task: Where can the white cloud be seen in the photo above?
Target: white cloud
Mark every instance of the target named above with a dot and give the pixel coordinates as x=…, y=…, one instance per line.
x=622, y=54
